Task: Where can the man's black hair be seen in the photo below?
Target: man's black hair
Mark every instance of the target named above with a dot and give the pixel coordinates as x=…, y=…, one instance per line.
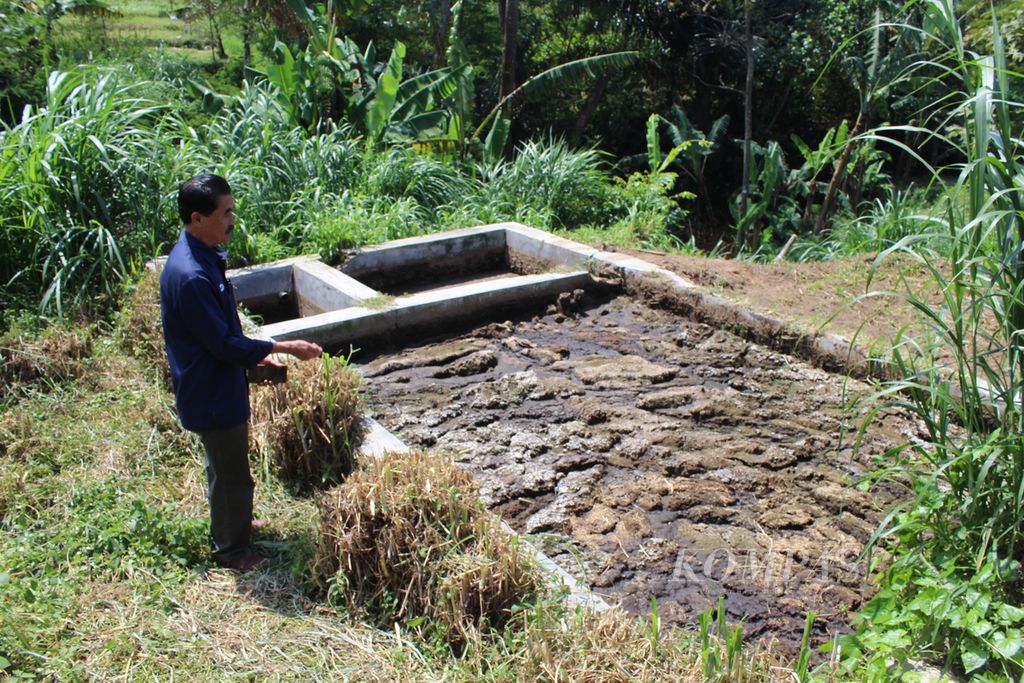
x=200, y=193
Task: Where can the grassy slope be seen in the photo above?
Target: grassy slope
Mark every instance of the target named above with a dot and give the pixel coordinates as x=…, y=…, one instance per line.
x=146, y=25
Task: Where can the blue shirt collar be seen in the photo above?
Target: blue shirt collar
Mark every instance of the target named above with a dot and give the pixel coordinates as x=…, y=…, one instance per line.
x=214, y=256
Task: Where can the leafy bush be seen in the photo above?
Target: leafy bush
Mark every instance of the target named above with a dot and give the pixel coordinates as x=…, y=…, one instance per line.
x=555, y=180
x=22, y=78
x=355, y=221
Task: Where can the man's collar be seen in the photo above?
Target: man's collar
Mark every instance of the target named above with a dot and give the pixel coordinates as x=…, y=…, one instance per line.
x=216, y=253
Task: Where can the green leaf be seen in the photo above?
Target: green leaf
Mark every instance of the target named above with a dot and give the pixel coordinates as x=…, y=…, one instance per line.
x=386, y=93
x=1008, y=614
x=494, y=145
x=893, y=638
x=980, y=628
x=973, y=655
x=1007, y=643
x=653, y=143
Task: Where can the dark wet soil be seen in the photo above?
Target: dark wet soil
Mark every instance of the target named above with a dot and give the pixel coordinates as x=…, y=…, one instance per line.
x=655, y=457
x=422, y=285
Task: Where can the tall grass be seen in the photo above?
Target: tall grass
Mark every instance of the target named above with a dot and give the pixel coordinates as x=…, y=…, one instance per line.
x=88, y=186
x=76, y=181
x=952, y=590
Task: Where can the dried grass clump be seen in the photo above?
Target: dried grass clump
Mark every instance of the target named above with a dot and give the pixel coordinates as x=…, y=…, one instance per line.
x=613, y=646
x=407, y=537
x=308, y=428
x=58, y=355
x=140, y=331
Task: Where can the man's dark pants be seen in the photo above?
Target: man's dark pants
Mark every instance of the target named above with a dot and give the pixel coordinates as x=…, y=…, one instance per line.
x=229, y=490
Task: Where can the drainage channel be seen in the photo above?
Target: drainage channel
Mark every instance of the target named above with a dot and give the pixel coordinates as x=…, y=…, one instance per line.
x=638, y=433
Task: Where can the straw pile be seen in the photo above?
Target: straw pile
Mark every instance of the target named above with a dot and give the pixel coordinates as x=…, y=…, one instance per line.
x=407, y=537
x=140, y=331
x=57, y=356
x=308, y=428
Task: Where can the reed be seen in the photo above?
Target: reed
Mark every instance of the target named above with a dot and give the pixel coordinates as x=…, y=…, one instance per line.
x=963, y=379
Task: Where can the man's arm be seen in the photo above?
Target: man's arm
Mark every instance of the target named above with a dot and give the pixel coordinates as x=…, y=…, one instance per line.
x=204, y=318
x=303, y=350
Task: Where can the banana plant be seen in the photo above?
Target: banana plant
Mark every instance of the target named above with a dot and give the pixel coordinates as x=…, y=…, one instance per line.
x=570, y=72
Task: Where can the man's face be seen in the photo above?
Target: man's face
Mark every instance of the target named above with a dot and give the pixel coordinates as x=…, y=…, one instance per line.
x=216, y=228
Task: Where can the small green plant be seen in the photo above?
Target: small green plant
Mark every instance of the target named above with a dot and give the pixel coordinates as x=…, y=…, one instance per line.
x=379, y=302
x=721, y=645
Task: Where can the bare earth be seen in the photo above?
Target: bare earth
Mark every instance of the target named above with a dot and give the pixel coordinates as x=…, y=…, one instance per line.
x=825, y=296
x=655, y=456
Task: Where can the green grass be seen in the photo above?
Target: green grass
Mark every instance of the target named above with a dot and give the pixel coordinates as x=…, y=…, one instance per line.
x=951, y=589
x=140, y=26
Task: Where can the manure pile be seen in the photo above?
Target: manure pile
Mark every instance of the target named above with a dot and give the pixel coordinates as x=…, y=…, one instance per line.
x=655, y=456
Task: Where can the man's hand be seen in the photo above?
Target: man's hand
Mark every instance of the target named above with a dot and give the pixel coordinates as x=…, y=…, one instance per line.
x=267, y=372
x=303, y=350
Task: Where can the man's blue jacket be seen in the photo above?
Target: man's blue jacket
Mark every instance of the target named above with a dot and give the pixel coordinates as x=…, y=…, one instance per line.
x=206, y=348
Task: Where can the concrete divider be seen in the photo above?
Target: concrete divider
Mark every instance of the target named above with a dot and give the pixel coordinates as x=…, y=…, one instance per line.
x=320, y=288
x=427, y=311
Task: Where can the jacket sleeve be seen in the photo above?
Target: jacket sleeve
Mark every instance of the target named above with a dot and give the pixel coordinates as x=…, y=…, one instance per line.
x=203, y=316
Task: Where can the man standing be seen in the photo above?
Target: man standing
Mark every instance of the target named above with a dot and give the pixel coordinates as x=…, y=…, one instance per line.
x=209, y=355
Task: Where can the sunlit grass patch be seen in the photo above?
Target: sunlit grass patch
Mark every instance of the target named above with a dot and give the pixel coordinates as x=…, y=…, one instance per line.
x=139, y=328
x=58, y=355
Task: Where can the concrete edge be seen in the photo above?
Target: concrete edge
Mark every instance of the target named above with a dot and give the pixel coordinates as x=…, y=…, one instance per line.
x=377, y=441
x=320, y=288
x=423, y=249
x=647, y=281
x=354, y=323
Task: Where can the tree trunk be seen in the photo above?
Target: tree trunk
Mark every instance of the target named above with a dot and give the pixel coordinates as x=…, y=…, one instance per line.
x=748, y=124
x=508, y=11
x=837, y=175
x=247, y=33
x=589, y=107
x=444, y=23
